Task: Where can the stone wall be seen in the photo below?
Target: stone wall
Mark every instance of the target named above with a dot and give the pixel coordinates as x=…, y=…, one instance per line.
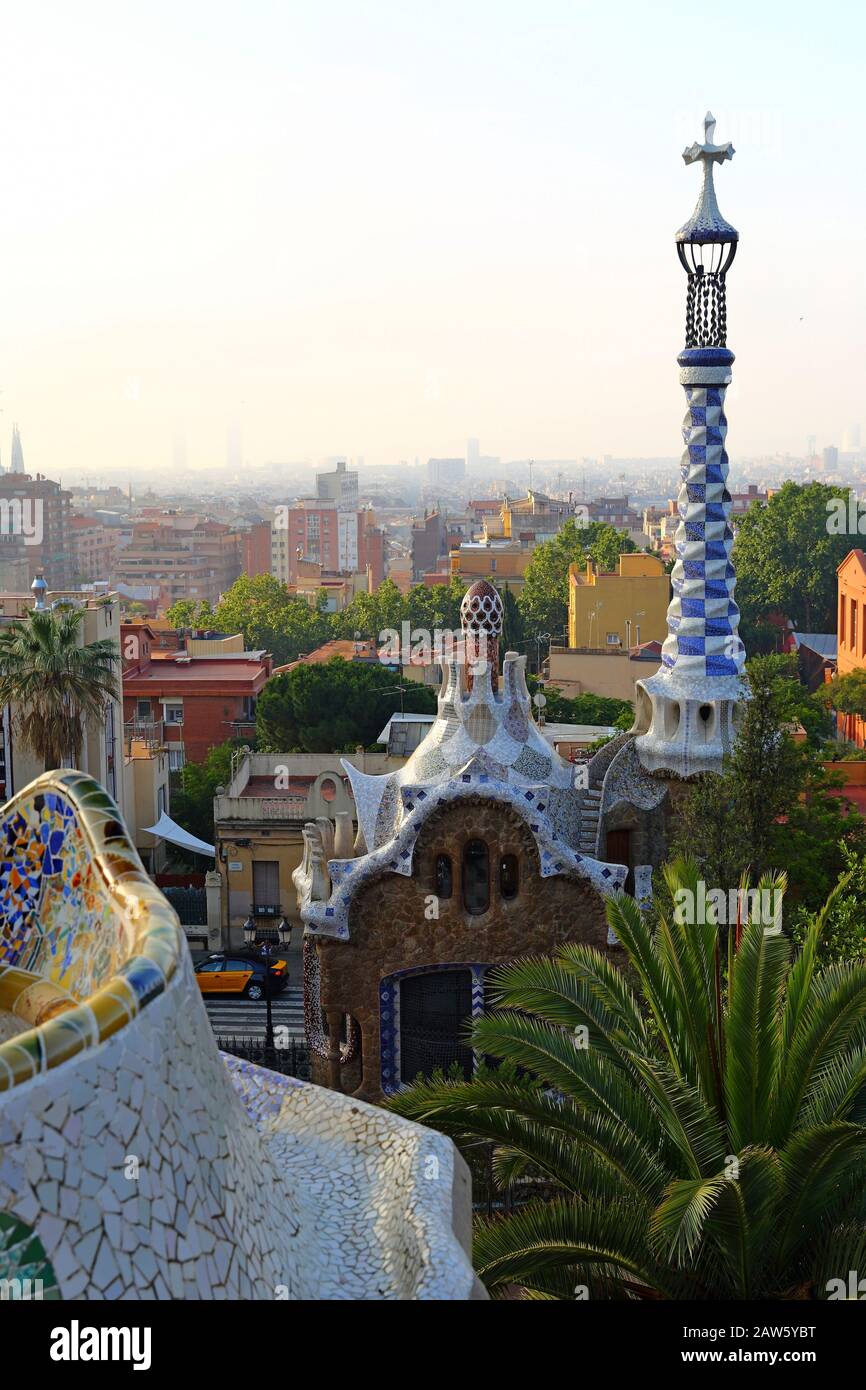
x=389, y=931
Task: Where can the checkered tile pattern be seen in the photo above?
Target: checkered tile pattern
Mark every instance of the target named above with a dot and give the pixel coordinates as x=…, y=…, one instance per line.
x=703, y=619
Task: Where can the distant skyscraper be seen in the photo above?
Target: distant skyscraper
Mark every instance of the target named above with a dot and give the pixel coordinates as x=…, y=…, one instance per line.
x=472, y=453
x=16, y=464
x=811, y=446
x=178, y=449
x=851, y=442
x=830, y=458
x=234, y=458
x=341, y=485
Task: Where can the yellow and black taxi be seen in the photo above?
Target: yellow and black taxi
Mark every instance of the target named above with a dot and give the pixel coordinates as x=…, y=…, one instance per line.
x=241, y=973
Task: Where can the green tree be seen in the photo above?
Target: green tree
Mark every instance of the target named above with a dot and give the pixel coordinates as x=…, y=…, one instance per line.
x=189, y=613
x=192, y=803
x=271, y=619
x=606, y=544
x=847, y=693
x=332, y=706
x=701, y=1120
x=844, y=934
x=513, y=626
x=786, y=556
x=54, y=682
x=371, y=614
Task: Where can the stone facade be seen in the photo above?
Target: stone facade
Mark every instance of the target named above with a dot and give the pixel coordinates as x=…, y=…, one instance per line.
x=389, y=932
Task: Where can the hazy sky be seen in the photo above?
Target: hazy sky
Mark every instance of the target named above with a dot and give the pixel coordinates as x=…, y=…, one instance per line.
x=377, y=228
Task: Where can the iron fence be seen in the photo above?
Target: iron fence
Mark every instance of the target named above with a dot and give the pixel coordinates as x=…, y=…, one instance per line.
x=291, y=1060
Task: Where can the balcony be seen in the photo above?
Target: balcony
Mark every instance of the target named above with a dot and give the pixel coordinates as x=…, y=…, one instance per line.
x=149, y=732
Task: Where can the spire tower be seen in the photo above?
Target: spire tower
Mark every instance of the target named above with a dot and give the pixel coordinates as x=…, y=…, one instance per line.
x=16, y=461
x=686, y=713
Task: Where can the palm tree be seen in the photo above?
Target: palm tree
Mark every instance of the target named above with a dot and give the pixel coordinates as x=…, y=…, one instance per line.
x=55, y=683
x=703, y=1128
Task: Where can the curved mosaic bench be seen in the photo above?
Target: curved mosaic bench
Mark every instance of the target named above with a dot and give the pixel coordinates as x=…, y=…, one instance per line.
x=135, y=1159
x=75, y=906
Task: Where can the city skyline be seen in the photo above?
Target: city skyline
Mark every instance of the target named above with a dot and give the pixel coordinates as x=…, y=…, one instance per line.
x=314, y=242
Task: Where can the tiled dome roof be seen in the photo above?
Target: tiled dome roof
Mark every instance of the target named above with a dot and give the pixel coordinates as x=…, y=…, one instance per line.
x=481, y=609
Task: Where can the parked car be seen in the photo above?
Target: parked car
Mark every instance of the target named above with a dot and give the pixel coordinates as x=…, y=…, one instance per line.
x=242, y=973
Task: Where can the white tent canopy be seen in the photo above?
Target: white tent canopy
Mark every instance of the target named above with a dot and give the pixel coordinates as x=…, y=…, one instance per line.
x=168, y=829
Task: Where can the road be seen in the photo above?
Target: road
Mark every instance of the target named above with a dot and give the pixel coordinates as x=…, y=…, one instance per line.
x=245, y=1018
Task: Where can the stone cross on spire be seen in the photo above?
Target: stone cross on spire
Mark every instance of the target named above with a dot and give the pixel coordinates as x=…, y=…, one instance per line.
x=706, y=223
x=714, y=154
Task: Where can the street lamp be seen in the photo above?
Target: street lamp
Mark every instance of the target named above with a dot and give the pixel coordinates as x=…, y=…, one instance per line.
x=270, y=1048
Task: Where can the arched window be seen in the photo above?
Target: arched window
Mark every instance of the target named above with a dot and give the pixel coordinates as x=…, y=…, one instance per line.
x=444, y=885
x=508, y=876
x=476, y=877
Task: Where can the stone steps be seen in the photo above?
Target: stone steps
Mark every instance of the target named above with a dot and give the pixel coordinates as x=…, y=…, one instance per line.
x=590, y=812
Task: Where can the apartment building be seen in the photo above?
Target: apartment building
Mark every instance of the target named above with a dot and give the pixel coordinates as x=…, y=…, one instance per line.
x=197, y=562
x=341, y=541
x=339, y=485
x=618, y=512
x=94, y=546
x=197, y=697
x=34, y=527
x=256, y=549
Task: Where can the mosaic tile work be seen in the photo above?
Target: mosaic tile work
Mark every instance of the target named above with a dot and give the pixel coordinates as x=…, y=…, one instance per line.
x=133, y=1166
x=78, y=912
x=690, y=703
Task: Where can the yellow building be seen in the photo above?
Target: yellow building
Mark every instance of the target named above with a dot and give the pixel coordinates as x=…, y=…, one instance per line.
x=503, y=562
x=618, y=609
x=534, y=516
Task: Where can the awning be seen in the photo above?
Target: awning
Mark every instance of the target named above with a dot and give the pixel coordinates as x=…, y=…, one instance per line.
x=167, y=829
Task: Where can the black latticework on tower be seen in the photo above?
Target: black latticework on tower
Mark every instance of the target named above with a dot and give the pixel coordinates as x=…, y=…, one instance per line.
x=706, y=314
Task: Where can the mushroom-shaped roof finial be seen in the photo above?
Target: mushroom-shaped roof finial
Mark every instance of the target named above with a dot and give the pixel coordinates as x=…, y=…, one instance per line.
x=481, y=610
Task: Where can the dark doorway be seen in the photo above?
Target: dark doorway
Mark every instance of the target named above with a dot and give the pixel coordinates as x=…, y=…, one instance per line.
x=434, y=1012
x=619, y=852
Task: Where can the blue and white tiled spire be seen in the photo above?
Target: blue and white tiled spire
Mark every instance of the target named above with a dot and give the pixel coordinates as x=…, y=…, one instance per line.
x=686, y=714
